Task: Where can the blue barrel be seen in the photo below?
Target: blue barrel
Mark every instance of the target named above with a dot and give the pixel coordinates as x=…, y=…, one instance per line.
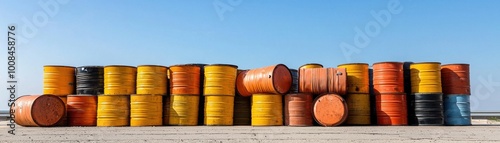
x=457, y=110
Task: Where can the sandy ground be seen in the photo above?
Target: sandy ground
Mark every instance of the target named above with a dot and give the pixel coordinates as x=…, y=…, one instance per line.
x=489, y=132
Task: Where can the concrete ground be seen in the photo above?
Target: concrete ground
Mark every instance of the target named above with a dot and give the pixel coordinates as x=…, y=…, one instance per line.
x=482, y=131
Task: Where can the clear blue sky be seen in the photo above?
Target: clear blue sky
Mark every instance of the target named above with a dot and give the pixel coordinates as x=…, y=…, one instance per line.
x=254, y=33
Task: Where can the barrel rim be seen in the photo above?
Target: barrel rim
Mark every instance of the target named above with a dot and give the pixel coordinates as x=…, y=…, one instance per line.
x=92, y=66
x=419, y=63
x=152, y=66
x=388, y=62
x=455, y=64
x=231, y=65
x=74, y=95
x=317, y=64
x=147, y=94
x=36, y=121
x=107, y=66
x=346, y=110
x=291, y=77
x=433, y=93
x=241, y=70
x=58, y=66
x=185, y=95
x=113, y=95
x=353, y=64
x=183, y=65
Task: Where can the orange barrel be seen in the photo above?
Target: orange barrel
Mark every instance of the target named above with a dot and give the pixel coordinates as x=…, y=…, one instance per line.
x=113, y=110
x=146, y=110
x=119, y=80
x=359, y=109
x=329, y=110
x=58, y=80
x=357, y=77
x=184, y=110
x=166, y=109
x=455, y=79
x=82, y=110
x=152, y=79
x=185, y=79
x=64, y=120
x=240, y=86
x=298, y=107
x=219, y=110
x=267, y=110
x=220, y=79
x=426, y=77
x=313, y=80
x=388, y=77
x=38, y=110
x=242, y=110
x=337, y=81
x=275, y=79
x=391, y=109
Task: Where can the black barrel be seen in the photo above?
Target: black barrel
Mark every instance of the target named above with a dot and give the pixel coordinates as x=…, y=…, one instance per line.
x=90, y=80
x=426, y=109
x=295, y=81
x=407, y=84
x=373, y=114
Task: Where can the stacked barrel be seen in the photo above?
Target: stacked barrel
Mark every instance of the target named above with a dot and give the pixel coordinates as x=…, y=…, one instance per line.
x=242, y=101
x=426, y=100
x=146, y=106
x=59, y=81
x=113, y=107
x=82, y=107
x=219, y=92
x=358, y=95
x=456, y=90
x=390, y=98
x=184, y=94
x=267, y=85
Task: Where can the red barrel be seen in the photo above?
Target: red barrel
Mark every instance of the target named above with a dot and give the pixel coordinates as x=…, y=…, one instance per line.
x=330, y=110
x=38, y=110
x=388, y=77
x=455, y=79
x=185, y=79
x=240, y=86
x=82, y=110
x=323, y=80
x=298, y=109
x=391, y=109
x=275, y=79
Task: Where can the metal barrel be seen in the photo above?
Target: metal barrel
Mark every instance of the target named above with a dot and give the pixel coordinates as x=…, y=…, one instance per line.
x=337, y=80
x=119, y=80
x=113, y=110
x=391, y=109
x=38, y=110
x=267, y=110
x=166, y=109
x=357, y=77
x=455, y=79
x=184, y=110
x=426, y=109
x=146, y=110
x=295, y=81
x=311, y=65
x=240, y=86
x=219, y=110
x=242, y=110
x=359, y=109
x=330, y=110
x=275, y=79
x=89, y=80
x=185, y=79
x=220, y=79
x=58, y=80
x=82, y=110
x=426, y=77
x=457, y=110
x=388, y=77
x=64, y=120
x=151, y=79
x=323, y=80
x=298, y=108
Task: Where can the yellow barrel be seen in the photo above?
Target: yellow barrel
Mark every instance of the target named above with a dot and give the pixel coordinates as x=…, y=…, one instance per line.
x=184, y=110
x=426, y=77
x=357, y=77
x=220, y=79
x=58, y=80
x=311, y=65
x=219, y=110
x=146, y=110
x=242, y=110
x=119, y=80
x=152, y=79
x=113, y=111
x=267, y=110
x=359, y=109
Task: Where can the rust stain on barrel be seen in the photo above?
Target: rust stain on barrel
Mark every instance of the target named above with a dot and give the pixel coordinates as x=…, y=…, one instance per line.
x=298, y=107
x=38, y=110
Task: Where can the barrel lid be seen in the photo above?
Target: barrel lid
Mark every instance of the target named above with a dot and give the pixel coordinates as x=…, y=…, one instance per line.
x=58, y=66
x=330, y=110
x=223, y=65
x=353, y=64
x=388, y=62
x=279, y=74
x=119, y=66
x=311, y=64
x=426, y=63
x=151, y=66
x=47, y=110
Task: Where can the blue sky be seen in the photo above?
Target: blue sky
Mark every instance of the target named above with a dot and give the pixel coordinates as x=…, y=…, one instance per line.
x=253, y=34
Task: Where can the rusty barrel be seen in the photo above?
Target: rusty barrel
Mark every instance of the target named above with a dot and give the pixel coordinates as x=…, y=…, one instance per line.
x=64, y=120
x=119, y=80
x=275, y=79
x=151, y=79
x=426, y=77
x=58, y=80
x=185, y=79
x=388, y=77
x=330, y=110
x=455, y=79
x=323, y=80
x=240, y=86
x=298, y=108
x=146, y=110
x=267, y=110
x=242, y=110
x=391, y=109
x=82, y=110
x=113, y=110
x=90, y=80
x=357, y=77
x=359, y=109
x=38, y=110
